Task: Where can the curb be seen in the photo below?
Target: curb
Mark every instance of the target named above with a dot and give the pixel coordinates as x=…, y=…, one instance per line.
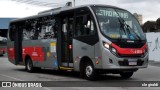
x=154, y=63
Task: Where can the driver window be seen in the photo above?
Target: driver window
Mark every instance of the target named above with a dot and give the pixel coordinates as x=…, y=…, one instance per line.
x=84, y=28
x=89, y=27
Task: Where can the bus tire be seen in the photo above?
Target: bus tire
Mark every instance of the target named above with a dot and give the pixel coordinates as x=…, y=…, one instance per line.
x=89, y=71
x=126, y=74
x=29, y=65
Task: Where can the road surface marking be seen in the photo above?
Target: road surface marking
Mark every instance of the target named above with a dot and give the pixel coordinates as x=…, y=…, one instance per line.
x=11, y=77
x=47, y=88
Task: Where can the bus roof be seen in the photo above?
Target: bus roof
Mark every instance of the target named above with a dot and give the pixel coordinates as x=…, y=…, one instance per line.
x=59, y=10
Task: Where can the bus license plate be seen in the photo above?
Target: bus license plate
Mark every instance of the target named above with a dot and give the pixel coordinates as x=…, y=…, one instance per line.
x=132, y=63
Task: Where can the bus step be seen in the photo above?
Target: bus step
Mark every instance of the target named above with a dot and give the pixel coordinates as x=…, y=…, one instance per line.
x=66, y=64
x=65, y=68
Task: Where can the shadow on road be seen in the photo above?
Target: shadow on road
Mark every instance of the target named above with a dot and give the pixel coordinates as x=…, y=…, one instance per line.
x=69, y=74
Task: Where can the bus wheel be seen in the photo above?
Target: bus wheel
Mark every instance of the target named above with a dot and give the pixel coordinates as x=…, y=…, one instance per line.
x=89, y=71
x=29, y=65
x=126, y=74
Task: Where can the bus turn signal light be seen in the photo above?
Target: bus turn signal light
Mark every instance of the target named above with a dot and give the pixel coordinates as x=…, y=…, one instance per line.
x=97, y=62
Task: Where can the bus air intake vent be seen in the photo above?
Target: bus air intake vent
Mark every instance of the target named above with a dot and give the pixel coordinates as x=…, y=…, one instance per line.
x=129, y=45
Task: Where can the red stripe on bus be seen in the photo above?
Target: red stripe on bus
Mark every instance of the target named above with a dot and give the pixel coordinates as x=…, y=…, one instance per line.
x=36, y=53
x=129, y=51
x=11, y=54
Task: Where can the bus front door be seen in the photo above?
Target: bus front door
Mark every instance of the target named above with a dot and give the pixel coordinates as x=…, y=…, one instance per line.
x=65, y=41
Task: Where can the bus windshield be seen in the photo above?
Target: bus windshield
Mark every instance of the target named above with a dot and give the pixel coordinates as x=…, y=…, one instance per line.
x=118, y=24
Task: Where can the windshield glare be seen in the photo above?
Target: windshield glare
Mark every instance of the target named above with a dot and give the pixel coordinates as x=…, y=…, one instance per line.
x=118, y=24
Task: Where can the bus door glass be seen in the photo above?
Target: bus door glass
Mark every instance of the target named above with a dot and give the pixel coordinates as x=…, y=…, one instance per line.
x=67, y=27
x=64, y=38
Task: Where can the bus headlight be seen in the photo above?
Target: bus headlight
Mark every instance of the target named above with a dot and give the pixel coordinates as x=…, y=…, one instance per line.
x=110, y=48
x=106, y=45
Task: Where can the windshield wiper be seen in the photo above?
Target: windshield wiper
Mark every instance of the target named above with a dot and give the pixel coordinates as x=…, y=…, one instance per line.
x=127, y=27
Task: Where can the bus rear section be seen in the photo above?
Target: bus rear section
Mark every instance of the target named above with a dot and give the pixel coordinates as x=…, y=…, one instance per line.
x=32, y=43
x=94, y=39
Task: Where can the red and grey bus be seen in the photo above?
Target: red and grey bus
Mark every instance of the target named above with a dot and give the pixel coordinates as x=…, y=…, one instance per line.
x=90, y=39
x=3, y=43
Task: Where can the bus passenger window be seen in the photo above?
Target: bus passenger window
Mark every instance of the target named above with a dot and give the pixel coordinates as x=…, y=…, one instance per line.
x=39, y=28
x=89, y=27
x=79, y=26
x=47, y=28
x=25, y=34
x=84, y=29
x=47, y=32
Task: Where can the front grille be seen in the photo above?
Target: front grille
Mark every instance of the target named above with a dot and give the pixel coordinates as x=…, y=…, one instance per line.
x=126, y=63
x=129, y=45
x=131, y=56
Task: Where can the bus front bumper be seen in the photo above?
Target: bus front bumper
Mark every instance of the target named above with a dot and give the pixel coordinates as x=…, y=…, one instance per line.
x=110, y=61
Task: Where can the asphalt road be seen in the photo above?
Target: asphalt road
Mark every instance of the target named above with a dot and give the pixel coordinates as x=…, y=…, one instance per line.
x=10, y=72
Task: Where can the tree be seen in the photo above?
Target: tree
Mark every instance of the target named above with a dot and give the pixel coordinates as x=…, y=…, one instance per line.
x=158, y=23
x=149, y=26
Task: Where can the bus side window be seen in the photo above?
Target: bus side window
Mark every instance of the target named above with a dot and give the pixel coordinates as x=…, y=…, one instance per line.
x=79, y=26
x=89, y=26
x=35, y=30
x=84, y=28
x=39, y=28
x=48, y=29
x=25, y=34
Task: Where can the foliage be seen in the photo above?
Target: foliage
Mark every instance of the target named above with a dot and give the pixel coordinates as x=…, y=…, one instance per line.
x=152, y=26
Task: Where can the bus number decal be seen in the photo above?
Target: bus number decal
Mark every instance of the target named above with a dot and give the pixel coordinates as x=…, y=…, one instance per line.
x=110, y=13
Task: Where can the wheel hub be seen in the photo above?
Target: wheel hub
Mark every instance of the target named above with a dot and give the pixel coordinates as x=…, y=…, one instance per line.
x=29, y=65
x=89, y=70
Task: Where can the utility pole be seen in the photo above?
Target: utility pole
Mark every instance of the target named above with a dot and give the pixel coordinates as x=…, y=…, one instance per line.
x=74, y=3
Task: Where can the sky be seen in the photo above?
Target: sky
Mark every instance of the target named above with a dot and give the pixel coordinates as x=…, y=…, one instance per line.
x=148, y=8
